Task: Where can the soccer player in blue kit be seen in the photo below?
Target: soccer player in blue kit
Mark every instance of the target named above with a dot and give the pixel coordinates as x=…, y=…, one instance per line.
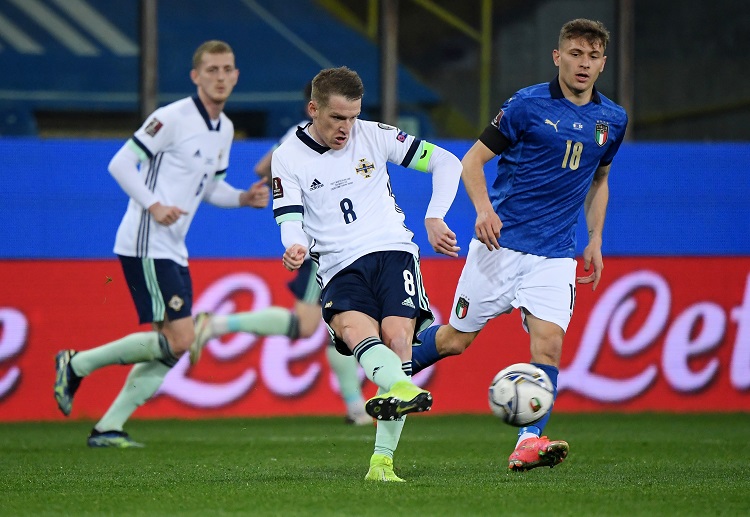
x=556, y=143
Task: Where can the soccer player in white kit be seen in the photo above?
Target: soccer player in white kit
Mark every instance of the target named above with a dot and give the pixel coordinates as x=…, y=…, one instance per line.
x=176, y=160
x=332, y=196
x=301, y=322
x=556, y=143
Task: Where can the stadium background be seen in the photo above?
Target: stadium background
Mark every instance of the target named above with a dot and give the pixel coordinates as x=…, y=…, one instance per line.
x=668, y=329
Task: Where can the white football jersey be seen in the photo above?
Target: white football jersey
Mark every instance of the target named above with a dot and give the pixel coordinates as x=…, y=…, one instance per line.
x=184, y=152
x=344, y=197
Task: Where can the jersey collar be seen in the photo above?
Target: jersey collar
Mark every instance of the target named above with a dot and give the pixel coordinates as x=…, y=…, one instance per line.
x=204, y=114
x=310, y=142
x=556, y=91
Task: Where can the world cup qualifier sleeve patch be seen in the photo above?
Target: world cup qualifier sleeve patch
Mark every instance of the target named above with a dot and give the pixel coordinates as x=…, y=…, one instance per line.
x=153, y=127
x=278, y=190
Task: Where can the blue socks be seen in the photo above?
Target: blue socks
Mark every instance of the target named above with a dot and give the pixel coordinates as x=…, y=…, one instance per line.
x=538, y=427
x=426, y=354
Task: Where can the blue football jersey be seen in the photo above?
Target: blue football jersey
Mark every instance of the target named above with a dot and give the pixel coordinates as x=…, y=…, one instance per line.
x=544, y=175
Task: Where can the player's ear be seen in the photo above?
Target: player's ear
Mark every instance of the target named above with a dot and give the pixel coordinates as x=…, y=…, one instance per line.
x=312, y=108
x=194, y=76
x=556, y=57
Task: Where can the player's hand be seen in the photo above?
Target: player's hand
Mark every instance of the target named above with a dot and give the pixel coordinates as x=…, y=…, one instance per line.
x=166, y=215
x=294, y=256
x=257, y=195
x=266, y=178
x=487, y=228
x=592, y=255
x=442, y=239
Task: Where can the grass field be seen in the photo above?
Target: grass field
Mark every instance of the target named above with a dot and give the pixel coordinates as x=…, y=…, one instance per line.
x=454, y=466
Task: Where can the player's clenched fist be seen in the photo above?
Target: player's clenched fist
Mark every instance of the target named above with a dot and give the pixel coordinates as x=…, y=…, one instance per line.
x=294, y=256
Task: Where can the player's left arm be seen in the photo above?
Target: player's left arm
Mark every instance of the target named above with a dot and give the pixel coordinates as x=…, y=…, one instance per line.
x=595, y=210
x=446, y=175
x=222, y=194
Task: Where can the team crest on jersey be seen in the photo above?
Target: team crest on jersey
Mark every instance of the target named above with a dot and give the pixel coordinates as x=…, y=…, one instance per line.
x=278, y=190
x=365, y=168
x=176, y=303
x=462, y=307
x=401, y=136
x=602, y=133
x=153, y=127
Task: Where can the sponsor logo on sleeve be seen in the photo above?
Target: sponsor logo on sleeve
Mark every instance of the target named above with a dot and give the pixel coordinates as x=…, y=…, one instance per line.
x=153, y=127
x=278, y=190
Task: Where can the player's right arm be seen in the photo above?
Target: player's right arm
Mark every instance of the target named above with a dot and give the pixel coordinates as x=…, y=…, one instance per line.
x=488, y=224
x=124, y=168
x=288, y=212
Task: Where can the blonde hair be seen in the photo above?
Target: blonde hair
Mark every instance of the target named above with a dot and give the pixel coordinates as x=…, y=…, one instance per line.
x=210, y=47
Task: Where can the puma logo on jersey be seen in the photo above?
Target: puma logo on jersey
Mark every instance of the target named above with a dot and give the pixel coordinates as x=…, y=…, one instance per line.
x=553, y=124
x=408, y=303
x=316, y=184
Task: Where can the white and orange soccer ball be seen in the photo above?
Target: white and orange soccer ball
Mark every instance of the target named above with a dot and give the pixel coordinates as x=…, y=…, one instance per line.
x=521, y=394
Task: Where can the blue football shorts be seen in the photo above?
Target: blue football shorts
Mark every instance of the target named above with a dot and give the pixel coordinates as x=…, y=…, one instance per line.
x=161, y=288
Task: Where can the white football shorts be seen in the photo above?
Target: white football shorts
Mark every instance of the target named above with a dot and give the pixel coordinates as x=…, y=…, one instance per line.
x=495, y=282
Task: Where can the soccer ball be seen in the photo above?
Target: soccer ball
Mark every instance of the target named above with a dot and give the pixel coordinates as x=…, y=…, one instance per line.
x=521, y=394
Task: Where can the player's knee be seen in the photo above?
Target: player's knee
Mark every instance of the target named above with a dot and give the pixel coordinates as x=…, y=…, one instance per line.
x=400, y=337
x=308, y=327
x=179, y=342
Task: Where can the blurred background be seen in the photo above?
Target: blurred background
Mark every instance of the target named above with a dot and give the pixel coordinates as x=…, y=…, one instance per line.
x=668, y=329
x=441, y=68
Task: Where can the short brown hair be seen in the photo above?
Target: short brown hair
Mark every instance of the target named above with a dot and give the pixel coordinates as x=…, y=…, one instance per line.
x=592, y=31
x=336, y=81
x=213, y=46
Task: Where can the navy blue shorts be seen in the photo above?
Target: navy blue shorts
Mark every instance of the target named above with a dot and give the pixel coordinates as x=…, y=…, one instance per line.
x=159, y=287
x=380, y=284
x=305, y=286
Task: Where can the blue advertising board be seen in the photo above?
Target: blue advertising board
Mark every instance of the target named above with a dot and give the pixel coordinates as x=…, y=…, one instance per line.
x=57, y=200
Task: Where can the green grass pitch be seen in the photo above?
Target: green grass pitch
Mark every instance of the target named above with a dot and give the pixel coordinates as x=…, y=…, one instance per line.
x=620, y=465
